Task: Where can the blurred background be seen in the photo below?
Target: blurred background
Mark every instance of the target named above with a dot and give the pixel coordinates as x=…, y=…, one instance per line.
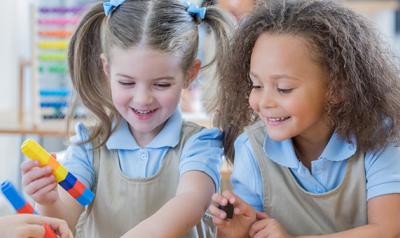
x=35, y=90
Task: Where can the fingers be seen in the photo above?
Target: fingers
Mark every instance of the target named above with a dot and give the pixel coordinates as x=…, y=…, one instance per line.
x=261, y=215
x=31, y=231
x=37, y=179
x=257, y=227
x=28, y=165
x=262, y=234
x=61, y=227
x=241, y=207
x=57, y=225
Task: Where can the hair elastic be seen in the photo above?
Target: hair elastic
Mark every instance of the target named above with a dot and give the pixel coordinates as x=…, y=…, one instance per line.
x=110, y=6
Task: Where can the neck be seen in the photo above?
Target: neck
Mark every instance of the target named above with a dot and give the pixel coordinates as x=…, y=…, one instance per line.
x=309, y=149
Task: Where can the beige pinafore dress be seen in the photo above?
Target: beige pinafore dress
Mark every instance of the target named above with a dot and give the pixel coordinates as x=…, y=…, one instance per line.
x=305, y=213
x=121, y=202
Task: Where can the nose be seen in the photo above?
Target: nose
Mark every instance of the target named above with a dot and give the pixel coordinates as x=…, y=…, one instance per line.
x=267, y=99
x=143, y=97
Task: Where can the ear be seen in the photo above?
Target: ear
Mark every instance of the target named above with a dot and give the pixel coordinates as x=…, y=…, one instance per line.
x=192, y=72
x=106, y=65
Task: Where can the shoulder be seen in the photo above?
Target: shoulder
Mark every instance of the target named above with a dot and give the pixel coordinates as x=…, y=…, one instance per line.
x=201, y=135
x=382, y=170
x=82, y=133
x=388, y=155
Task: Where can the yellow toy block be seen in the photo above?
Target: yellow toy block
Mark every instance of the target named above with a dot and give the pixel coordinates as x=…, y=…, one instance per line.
x=60, y=173
x=34, y=151
x=53, y=163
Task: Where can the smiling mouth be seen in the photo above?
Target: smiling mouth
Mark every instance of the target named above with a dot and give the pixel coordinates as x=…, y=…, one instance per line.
x=143, y=112
x=277, y=119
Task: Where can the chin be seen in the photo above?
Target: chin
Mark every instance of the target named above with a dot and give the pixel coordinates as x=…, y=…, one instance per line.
x=277, y=137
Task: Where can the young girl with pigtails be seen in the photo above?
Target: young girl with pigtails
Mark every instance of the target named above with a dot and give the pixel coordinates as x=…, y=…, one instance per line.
x=152, y=172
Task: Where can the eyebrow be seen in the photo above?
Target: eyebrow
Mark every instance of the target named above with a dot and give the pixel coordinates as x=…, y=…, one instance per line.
x=159, y=78
x=276, y=76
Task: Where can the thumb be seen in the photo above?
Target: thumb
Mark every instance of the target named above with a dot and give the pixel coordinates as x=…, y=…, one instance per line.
x=261, y=215
x=32, y=231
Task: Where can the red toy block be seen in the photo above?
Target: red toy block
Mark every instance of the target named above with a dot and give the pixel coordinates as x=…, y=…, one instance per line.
x=48, y=232
x=27, y=209
x=77, y=190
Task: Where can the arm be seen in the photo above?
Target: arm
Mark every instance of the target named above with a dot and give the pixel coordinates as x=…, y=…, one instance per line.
x=65, y=207
x=182, y=212
x=383, y=220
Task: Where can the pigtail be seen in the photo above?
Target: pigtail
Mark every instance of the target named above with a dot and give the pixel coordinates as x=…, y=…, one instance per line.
x=221, y=24
x=86, y=71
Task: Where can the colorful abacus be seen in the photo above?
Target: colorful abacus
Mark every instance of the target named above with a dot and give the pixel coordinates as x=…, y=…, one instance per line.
x=21, y=205
x=67, y=180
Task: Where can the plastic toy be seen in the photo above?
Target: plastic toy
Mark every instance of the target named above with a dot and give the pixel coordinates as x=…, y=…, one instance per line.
x=21, y=205
x=64, y=178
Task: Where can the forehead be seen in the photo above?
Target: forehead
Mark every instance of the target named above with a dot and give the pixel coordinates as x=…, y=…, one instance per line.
x=283, y=52
x=143, y=58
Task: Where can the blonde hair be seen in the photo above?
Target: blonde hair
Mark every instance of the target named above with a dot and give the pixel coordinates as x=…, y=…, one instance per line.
x=163, y=25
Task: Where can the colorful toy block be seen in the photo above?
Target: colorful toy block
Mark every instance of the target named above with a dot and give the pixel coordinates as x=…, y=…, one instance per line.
x=64, y=178
x=21, y=205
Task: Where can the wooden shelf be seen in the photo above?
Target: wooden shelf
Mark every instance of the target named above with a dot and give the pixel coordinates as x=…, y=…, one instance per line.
x=9, y=124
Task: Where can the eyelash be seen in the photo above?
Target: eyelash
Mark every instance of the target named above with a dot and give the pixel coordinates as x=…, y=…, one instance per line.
x=284, y=91
x=280, y=90
x=166, y=85
x=127, y=83
x=133, y=83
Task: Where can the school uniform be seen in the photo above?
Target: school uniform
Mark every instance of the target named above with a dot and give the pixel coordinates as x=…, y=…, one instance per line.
x=131, y=183
x=330, y=197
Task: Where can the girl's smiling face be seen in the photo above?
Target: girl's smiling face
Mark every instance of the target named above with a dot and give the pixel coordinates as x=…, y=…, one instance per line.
x=289, y=87
x=145, y=86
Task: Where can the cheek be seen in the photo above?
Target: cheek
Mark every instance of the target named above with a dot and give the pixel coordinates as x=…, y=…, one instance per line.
x=169, y=98
x=254, y=102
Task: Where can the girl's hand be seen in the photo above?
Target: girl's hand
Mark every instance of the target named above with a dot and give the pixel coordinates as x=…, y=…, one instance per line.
x=267, y=227
x=39, y=182
x=28, y=225
x=244, y=215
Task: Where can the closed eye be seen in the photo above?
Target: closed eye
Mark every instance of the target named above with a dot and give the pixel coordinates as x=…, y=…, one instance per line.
x=162, y=85
x=126, y=83
x=285, y=90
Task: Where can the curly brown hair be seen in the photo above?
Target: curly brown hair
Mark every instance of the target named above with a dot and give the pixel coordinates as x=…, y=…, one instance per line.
x=363, y=89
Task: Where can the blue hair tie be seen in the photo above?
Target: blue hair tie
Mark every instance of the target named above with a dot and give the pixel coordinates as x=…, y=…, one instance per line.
x=196, y=11
x=111, y=6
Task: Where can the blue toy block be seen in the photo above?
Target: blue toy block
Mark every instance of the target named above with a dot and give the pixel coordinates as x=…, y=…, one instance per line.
x=68, y=182
x=11, y=193
x=86, y=198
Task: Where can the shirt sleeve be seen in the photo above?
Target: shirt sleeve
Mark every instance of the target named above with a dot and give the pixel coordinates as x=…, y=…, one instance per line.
x=382, y=171
x=246, y=177
x=79, y=157
x=203, y=152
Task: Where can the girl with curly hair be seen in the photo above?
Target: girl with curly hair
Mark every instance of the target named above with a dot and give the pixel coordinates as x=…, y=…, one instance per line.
x=316, y=101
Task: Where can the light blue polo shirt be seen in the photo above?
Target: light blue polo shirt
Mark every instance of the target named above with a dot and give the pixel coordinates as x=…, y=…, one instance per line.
x=202, y=152
x=382, y=168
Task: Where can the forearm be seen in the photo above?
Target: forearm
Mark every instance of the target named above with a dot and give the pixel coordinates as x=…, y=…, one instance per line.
x=65, y=208
x=174, y=219
x=367, y=231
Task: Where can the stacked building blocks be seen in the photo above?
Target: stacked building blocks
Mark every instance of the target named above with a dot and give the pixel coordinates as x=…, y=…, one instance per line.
x=21, y=205
x=64, y=178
